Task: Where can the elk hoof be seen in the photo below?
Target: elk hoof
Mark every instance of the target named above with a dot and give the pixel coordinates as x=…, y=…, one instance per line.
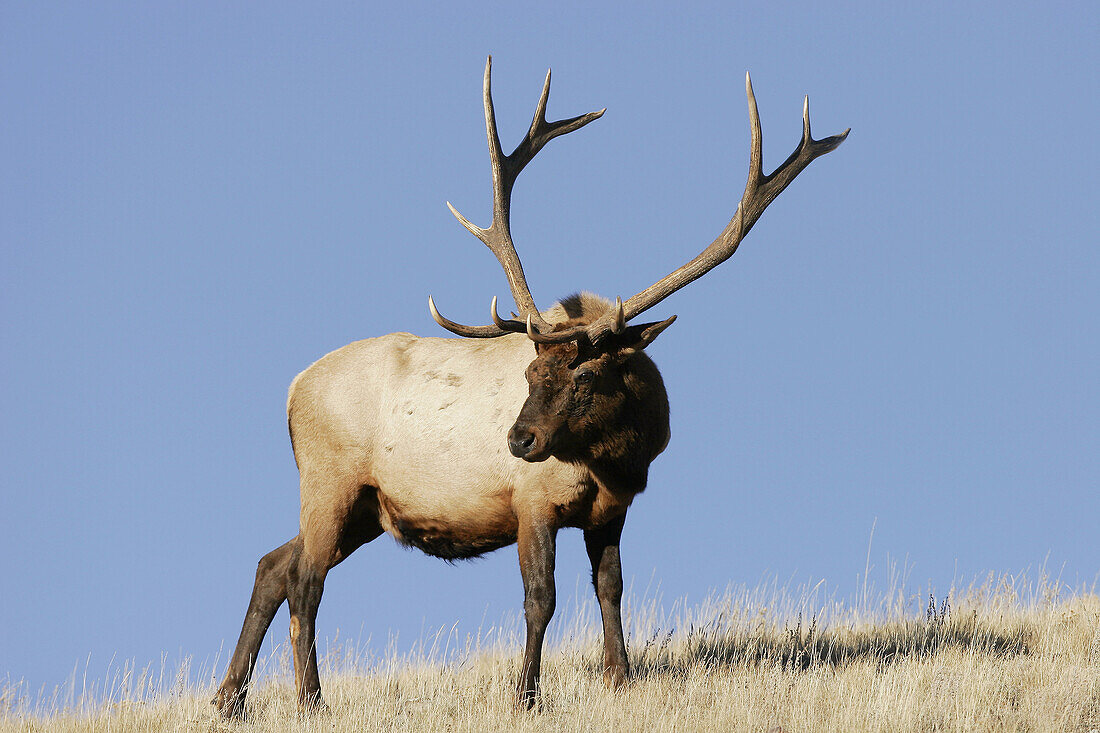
x=229, y=704
x=314, y=704
x=527, y=700
x=614, y=677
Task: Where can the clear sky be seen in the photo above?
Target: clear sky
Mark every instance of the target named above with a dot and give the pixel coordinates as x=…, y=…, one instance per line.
x=198, y=199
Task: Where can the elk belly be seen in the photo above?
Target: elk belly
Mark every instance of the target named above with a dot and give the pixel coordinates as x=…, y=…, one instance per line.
x=462, y=535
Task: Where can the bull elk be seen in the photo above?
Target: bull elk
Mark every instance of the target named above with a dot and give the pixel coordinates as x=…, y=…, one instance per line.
x=382, y=431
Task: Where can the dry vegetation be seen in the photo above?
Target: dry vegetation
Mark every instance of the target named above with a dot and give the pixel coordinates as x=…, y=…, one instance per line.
x=1007, y=655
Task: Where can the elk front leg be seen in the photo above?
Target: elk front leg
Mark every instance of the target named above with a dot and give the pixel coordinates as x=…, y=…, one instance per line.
x=607, y=577
x=536, y=563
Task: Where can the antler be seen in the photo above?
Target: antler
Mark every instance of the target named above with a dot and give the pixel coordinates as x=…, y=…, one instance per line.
x=760, y=190
x=498, y=237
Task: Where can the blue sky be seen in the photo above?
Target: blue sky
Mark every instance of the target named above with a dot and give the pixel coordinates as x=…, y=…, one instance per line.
x=197, y=200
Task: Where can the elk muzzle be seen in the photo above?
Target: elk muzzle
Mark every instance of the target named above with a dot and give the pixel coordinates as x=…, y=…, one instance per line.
x=527, y=443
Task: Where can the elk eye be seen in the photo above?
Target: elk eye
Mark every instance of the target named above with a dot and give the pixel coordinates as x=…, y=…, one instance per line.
x=584, y=377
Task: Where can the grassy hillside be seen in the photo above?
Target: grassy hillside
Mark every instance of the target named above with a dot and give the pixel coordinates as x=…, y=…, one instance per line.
x=1007, y=655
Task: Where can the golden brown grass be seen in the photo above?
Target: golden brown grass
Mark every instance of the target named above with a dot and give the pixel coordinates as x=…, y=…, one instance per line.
x=1004, y=656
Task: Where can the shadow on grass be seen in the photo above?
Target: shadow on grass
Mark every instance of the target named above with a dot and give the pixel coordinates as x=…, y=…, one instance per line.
x=804, y=646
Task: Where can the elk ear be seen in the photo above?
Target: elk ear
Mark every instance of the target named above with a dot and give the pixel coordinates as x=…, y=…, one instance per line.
x=636, y=338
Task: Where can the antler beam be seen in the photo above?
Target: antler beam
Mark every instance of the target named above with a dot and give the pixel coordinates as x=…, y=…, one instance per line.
x=498, y=237
x=760, y=190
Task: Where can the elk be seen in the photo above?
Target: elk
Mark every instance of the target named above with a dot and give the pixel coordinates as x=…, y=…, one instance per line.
x=462, y=446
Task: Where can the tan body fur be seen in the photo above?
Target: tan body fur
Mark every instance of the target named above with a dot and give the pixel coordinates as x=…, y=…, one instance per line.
x=393, y=418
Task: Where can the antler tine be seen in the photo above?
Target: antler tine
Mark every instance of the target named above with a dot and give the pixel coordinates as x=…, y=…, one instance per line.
x=618, y=325
x=505, y=170
x=511, y=326
x=760, y=190
x=537, y=337
x=542, y=132
x=476, y=332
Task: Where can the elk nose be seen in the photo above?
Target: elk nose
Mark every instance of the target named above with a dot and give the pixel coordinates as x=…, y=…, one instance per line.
x=520, y=442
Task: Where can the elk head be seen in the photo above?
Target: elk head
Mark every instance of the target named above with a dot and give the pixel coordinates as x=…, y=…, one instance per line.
x=589, y=380
x=589, y=401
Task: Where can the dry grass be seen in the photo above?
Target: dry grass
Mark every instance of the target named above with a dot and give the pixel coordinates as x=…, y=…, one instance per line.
x=1006, y=655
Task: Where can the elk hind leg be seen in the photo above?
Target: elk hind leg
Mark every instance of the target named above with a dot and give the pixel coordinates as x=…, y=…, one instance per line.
x=268, y=593
x=328, y=536
x=305, y=583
